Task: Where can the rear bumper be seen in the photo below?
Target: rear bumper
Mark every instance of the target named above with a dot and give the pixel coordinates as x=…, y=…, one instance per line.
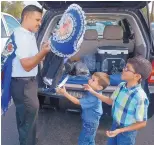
x=48, y=94
x=77, y=89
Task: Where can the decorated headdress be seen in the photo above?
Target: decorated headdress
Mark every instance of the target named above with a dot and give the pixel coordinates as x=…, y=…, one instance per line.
x=68, y=36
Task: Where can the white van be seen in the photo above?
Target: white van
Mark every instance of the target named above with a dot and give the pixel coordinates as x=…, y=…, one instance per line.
x=8, y=24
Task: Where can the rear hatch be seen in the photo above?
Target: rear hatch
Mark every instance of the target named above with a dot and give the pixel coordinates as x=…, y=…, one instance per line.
x=94, y=4
x=62, y=5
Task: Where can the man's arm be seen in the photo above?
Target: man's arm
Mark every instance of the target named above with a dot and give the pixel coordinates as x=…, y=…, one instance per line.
x=31, y=62
x=132, y=127
x=103, y=98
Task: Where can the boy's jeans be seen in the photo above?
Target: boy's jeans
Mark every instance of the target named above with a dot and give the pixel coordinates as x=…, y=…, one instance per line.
x=126, y=138
x=88, y=133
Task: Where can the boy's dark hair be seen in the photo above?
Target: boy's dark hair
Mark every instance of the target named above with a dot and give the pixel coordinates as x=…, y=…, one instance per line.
x=30, y=8
x=141, y=66
x=104, y=80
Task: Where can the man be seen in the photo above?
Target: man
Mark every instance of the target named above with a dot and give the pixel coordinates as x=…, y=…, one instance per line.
x=23, y=83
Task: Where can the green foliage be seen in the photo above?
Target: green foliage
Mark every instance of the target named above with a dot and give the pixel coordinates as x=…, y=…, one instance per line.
x=144, y=10
x=13, y=7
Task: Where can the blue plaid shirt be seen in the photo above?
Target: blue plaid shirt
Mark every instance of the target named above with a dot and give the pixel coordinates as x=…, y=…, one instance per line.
x=130, y=105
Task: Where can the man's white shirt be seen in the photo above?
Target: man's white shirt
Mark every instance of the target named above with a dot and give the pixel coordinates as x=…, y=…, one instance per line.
x=26, y=47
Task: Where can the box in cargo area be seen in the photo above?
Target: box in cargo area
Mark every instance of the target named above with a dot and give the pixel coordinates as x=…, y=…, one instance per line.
x=111, y=59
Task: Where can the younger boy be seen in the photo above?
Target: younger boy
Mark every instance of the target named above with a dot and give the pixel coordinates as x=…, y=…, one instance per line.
x=91, y=108
x=129, y=103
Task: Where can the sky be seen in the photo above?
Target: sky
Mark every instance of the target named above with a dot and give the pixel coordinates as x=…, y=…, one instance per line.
x=32, y=2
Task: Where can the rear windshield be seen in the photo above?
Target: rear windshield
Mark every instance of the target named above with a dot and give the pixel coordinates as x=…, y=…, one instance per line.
x=152, y=25
x=99, y=26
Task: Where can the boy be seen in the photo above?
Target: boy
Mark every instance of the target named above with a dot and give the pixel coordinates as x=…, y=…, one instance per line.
x=129, y=103
x=91, y=108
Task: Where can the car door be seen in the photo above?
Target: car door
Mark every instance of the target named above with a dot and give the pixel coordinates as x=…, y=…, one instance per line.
x=8, y=24
x=11, y=23
x=4, y=35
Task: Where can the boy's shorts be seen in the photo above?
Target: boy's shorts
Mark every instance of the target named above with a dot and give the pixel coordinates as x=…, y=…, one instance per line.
x=88, y=133
x=126, y=138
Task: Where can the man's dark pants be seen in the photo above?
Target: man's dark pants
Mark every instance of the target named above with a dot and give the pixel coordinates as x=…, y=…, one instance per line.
x=24, y=94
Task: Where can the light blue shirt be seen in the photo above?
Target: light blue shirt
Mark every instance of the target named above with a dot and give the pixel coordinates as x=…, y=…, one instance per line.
x=91, y=108
x=26, y=47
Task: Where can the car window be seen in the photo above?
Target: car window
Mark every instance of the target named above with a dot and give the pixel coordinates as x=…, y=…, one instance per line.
x=3, y=32
x=11, y=23
x=99, y=26
x=152, y=28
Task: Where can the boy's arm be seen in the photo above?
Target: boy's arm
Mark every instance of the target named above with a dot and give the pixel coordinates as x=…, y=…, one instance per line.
x=135, y=126
x=132, y=127
x=63, y=91
x=103, y=98
x=72, y=98
x=140, y=116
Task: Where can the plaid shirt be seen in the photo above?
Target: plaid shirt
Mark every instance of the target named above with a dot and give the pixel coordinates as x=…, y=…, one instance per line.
x=129, y=105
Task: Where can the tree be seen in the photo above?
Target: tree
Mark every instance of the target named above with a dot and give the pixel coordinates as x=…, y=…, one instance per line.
x=14, y=8
x=152, y=13
x=4, y=6
x=144, y=10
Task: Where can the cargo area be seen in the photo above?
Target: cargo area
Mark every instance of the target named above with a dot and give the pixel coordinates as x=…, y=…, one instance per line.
x=110, y=39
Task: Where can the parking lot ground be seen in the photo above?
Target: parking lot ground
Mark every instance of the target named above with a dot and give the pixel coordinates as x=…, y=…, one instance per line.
x=63, y=128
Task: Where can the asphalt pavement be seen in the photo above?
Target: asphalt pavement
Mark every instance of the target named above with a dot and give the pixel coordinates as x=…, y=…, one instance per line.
x=63, y=128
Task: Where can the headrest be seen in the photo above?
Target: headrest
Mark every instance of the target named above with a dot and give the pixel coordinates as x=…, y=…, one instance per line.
x=113, y=33
x=91, y=35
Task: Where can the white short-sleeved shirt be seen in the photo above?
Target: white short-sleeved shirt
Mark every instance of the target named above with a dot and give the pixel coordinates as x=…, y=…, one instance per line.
x=26, y=47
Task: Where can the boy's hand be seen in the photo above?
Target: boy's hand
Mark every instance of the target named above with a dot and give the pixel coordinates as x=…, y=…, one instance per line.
x=61, y=91
x=113, y=133
x=88, y=88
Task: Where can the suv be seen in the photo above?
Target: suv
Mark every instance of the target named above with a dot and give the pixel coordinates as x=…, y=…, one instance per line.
x=8, y=24
x=124, y=28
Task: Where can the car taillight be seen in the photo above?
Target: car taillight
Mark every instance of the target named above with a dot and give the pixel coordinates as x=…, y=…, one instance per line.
x=151, y=78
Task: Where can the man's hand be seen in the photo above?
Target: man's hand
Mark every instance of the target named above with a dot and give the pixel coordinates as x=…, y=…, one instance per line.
x=88, y=88
x=61, y=91
x=113, y=133
x=31, y=62
x=46, y=47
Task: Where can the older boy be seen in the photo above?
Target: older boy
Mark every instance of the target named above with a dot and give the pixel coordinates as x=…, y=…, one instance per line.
x=129, y=103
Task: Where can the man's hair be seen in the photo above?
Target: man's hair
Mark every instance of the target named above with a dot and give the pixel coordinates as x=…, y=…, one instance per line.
x=103, y=79
x=30, y=8
x=141, y=66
